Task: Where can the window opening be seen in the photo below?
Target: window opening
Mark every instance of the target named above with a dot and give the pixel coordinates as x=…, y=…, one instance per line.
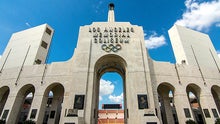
x=48, y=31
x=44, y=44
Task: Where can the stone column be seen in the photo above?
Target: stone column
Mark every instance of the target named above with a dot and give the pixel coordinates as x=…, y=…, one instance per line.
x=181, y=101
x=8, y=105
x=13, y=104
x=163, y=112
x=168, y=109
x=39, y=103
x=207, y=103
x=56, y=107
x=158, y=107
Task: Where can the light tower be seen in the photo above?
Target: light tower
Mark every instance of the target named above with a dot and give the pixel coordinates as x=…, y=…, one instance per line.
x=111, y=15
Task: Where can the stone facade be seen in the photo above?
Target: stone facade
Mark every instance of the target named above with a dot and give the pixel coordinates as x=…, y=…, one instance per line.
x=27, y=47
x=154, y=92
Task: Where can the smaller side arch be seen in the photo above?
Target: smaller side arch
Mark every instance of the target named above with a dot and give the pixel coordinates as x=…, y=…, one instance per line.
x=166, y=103
x=193, y=92
x=215, y=90
x=51, y=104
x=55, y=88
x=195, y=89
x=4, y=92
x=165, y=87
x=22, y=104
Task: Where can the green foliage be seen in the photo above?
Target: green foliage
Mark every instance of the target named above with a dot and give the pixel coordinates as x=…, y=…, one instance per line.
x=217, y=121
x=29, y=122
x=190, y=122
x=2, y=121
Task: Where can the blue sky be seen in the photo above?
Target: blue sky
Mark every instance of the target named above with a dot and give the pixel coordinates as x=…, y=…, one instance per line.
x=156, y=17
x=111, y=89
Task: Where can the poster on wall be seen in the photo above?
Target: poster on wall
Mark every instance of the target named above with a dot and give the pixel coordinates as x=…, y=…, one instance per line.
x=79, y=102
x=187, y=113
x=33, y=113
x=142, y=101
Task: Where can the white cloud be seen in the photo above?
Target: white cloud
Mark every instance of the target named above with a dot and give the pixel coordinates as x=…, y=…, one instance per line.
x=0, y=56
x=100, y=98
x=154, y=41
x=200, y=16
x=116, y=99
x=106, y=88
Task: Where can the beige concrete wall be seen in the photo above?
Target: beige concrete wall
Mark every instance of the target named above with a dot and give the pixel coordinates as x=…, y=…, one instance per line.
x=79, y=75
x=26, y=46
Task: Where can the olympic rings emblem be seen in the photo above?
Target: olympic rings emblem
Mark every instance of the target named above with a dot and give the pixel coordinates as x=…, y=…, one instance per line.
x=111, y=47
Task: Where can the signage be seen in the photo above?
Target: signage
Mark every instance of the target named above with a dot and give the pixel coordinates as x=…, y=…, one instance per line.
x=111, y=38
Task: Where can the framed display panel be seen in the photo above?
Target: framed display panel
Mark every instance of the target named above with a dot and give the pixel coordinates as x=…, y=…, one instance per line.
x=215, y=113
x=142, y=101
x=5, y=114
x=187, y=113
x=72, y=113
x=207, y=114
x=33, y=113
x=79, y=102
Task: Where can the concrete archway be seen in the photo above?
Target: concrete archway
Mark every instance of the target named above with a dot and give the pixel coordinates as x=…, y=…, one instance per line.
x=108, y=63
x=21, y=104
x=216, y=95
x=193, y=91
x=166, y=100
x=51, y=104
x=4, y=92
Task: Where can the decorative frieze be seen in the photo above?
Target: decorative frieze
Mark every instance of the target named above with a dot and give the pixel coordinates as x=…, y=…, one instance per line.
x=111, y=38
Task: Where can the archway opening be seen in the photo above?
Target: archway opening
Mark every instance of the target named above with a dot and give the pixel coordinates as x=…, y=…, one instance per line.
x=4, y=92
x=216, y=96
x=110, y=64
x=111, y=100
x=48, y=107
x=193, y=93
x=53, y=99
x=24, y=101
x=166, y=103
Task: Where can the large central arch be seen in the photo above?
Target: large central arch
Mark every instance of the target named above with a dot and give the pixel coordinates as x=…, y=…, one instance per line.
x=108, y=63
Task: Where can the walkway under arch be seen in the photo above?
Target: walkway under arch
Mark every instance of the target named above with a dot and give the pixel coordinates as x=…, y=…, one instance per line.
x=16, y=114
x=193, y=91
x=166, y=100
x=216, y=96
x=108, y=63
x=4, y=92
x=51, y=104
